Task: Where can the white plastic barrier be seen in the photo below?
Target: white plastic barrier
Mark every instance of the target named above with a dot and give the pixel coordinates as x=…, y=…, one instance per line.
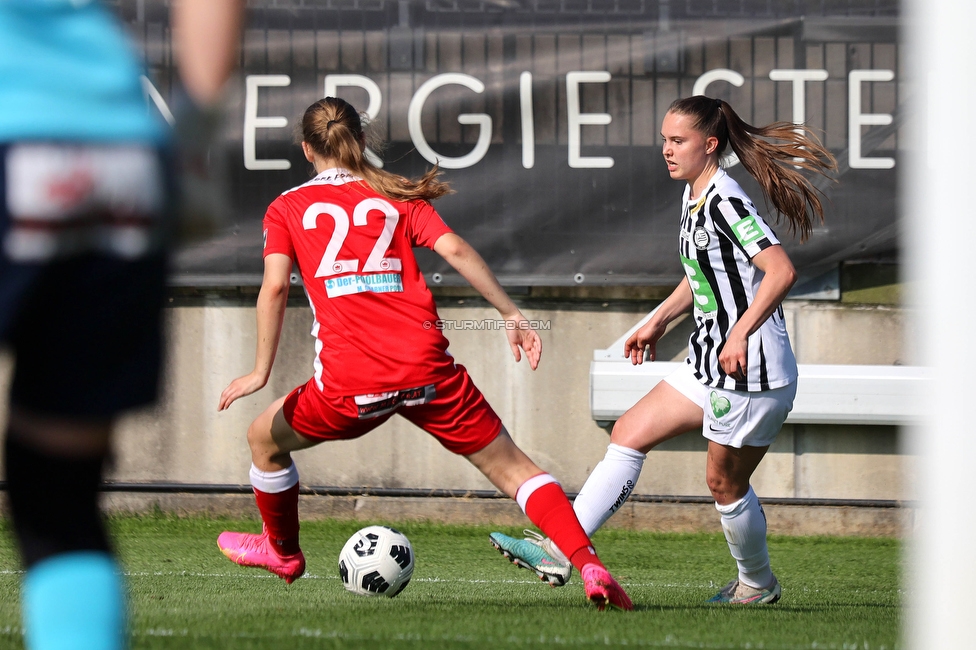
x=826, y=394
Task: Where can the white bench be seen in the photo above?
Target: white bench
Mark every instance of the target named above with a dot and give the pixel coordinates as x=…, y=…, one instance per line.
x=826, y=394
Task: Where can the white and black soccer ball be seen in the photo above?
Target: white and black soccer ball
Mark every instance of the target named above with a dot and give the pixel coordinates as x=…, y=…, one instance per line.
x=376, y=561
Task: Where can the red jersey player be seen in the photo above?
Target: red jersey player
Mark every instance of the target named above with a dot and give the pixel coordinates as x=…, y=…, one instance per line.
x=352, y=230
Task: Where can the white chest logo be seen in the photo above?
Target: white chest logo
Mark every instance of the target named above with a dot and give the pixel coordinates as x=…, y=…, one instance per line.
x=700, y=238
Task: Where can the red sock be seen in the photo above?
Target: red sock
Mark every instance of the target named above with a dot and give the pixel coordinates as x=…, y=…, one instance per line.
x=549, y=509
x=279, y=510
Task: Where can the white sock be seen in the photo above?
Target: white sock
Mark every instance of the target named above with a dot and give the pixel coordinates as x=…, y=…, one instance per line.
x=274, y=482
x=608, y=486
x=744, y=523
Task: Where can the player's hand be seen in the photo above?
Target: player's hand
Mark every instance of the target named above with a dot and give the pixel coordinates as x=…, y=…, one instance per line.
x=734, y=357
x=645, y=337
x=241, y=387
x=521, y=335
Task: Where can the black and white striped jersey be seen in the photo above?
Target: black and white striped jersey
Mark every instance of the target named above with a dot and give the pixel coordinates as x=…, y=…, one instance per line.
x=720, y=234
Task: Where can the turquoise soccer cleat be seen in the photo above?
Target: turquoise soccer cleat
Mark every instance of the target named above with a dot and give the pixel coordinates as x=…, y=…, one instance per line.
x=530, y=554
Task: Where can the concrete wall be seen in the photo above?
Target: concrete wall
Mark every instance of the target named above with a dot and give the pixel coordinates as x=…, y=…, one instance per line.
x=547, y=411
x=185, y=439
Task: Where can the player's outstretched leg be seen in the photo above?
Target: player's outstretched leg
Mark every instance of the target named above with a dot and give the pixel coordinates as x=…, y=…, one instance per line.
x=545, y=504
x=606, y=489
x=276, y=549
x=543, y=501
x=541, y=555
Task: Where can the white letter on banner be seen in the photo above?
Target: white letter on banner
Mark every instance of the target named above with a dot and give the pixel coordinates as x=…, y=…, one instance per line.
x=416, y=129
x=729, y=159
x=799, y=78
x=252, y=122
x=719, y=74
x=332, y=83
x=577, y=119
x=857, y=119
x=153, y=95
x=528, y=123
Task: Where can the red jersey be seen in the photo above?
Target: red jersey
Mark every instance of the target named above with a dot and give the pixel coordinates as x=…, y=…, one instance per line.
x=375, y=319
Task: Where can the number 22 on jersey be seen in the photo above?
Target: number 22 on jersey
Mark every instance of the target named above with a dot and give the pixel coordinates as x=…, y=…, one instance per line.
x=376, y=261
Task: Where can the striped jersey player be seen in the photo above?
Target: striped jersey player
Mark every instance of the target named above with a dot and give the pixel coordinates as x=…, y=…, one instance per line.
x=739, y=383
x=720, y=234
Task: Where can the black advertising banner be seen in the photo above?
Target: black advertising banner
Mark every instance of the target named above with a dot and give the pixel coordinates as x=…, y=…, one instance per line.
x=545, y=117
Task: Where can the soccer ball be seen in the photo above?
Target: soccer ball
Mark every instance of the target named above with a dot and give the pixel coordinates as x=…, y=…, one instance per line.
x=376, y=561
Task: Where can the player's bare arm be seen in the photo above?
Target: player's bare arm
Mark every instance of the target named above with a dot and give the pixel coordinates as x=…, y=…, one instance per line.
x=650, y=333
x=206, y=36
x=776, y=284
x=272, y=300
x=472, y=267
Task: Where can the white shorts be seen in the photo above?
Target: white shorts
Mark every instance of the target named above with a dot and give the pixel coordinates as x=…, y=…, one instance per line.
x=736, y=418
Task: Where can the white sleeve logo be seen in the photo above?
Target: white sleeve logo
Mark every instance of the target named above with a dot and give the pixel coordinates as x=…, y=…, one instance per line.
x=747, y=230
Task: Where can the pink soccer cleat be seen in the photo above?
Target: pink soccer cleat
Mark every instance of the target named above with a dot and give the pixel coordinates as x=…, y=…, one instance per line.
x=248, y=549
x=603, y=590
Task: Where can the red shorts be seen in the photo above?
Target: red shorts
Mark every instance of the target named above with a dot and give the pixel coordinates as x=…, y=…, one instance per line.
x=453, y=410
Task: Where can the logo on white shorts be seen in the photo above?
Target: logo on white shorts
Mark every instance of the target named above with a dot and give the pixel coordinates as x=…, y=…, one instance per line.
x=720, y=405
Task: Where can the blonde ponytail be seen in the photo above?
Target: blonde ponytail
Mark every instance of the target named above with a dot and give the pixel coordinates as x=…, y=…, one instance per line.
x=333, y=129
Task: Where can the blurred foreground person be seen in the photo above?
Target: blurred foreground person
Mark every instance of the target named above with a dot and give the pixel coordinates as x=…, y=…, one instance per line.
x=86, y=212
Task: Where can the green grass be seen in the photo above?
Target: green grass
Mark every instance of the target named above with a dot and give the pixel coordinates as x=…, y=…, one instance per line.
x=838, y=593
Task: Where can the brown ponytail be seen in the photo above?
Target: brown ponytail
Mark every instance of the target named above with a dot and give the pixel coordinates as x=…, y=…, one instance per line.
x=333, y=129
x=772, y=164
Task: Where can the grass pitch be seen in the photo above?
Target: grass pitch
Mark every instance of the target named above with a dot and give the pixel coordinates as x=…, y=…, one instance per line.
x=838, y=593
